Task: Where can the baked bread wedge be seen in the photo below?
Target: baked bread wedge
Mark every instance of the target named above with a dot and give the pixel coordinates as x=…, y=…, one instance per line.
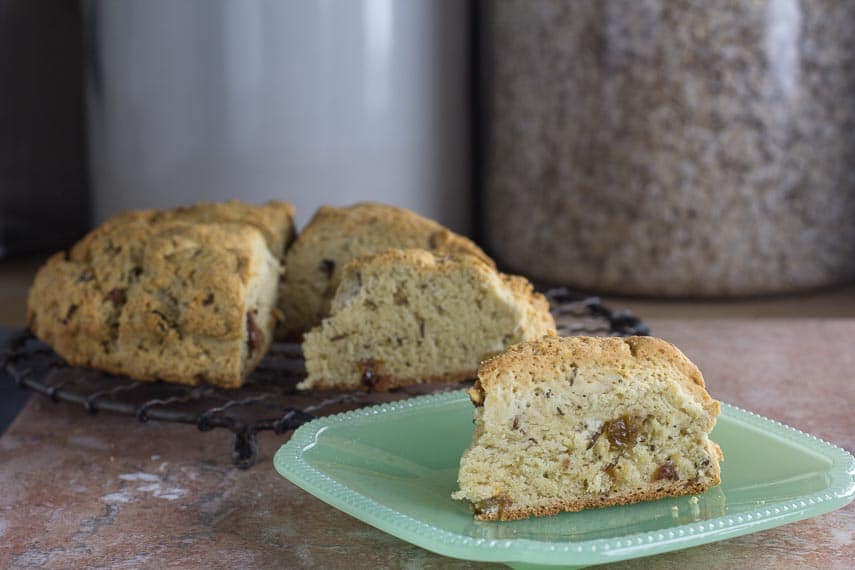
x=167, y=295
x=409, y=316
x=565, y=424
x=336, y=236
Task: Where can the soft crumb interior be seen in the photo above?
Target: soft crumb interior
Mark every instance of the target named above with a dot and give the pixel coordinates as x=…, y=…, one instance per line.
x=412, y=325
x=583, y=434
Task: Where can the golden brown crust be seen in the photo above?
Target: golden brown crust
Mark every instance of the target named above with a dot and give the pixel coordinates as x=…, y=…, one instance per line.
x=416, y=257
x=537, y=304
x=275, y=220
x=160, y=295
x=609, y=352
x=509, y=512
x=336, y=236
x=649, y=349
x=398, y=224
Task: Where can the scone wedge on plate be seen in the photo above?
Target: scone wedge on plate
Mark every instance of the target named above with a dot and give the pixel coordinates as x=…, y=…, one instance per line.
x=336, y=236
x=409, y=316
x=186, y=296
x=564, y=424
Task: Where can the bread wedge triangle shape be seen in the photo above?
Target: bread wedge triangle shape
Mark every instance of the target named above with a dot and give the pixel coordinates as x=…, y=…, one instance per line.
x=336, y=236
x=184, y=295
x=565, y=424
x=409, y=316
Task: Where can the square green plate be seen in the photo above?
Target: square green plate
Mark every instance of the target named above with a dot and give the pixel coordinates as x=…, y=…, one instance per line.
x=395, y=466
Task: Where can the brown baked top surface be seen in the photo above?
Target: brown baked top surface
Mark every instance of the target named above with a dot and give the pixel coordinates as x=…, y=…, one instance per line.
x=621, y=355
x=388, y=224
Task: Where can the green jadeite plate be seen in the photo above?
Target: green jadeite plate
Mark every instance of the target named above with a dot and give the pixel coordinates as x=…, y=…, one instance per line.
x=395, y=466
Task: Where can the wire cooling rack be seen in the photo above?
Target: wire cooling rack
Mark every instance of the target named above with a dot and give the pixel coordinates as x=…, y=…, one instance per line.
x=269, y=400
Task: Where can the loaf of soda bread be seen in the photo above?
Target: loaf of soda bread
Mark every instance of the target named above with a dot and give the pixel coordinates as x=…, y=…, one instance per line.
x=564, y=424
x=334, y=237
x=184, y=295
x=409, y=316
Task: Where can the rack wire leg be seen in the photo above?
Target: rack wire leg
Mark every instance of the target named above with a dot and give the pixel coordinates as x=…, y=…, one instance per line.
x=244, y=448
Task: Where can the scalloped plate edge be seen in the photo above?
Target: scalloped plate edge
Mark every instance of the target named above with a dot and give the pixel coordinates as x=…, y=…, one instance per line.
x=290, y=463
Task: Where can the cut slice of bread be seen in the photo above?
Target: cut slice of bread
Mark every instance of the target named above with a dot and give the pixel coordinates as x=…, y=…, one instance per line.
x=172, y=295
x=564, y=424
x=336, y=236
x=408, y=316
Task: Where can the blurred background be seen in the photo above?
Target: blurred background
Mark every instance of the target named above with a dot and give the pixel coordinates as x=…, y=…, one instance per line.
x=692, y=161
x=680, y=158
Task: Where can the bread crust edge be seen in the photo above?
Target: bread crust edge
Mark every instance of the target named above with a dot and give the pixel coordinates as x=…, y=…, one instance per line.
x=509, y=513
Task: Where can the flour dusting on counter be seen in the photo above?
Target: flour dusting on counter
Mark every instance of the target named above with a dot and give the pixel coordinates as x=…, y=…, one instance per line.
x=149, y=485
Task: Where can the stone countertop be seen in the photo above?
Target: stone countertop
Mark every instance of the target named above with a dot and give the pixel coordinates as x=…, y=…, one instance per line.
x=96, y=492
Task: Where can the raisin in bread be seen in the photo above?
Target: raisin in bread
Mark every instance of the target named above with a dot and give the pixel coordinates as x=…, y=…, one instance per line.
x=163, y=295
x=334, y=237
x=408, y=316
x=564, y=424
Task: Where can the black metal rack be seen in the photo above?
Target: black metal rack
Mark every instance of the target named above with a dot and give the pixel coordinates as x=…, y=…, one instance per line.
x=269, y=400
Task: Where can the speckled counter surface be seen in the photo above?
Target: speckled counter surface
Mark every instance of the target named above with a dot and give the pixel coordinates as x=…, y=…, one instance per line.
x=83, y=493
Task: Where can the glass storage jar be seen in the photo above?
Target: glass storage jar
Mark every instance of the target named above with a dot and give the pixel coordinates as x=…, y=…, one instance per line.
x=678, y=148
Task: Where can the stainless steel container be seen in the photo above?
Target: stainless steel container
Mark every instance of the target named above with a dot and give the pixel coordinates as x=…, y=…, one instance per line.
x=688, y=148
x=312, y=102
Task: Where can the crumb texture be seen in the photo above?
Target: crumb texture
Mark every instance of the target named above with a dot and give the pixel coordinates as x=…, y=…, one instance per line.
x=409, y=316
x=181, y=295
x=564, y=424
x=336, y=236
